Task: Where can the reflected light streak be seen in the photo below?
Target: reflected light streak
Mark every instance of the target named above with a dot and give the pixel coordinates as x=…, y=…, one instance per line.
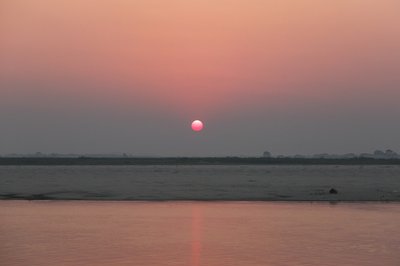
x=197, y=227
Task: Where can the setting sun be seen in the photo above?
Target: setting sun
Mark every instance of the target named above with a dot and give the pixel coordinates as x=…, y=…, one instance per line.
x=197, y=125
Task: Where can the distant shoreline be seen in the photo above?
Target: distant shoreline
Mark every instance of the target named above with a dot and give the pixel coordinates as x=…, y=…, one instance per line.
x=193, y=161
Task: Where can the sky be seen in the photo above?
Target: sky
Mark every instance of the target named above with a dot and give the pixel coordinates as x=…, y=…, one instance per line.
x=115, y=76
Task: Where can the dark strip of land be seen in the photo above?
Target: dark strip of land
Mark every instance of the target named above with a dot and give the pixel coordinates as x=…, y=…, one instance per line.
x=195, y=161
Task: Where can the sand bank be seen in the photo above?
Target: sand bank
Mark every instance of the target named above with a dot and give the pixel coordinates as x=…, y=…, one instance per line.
x=207, y=182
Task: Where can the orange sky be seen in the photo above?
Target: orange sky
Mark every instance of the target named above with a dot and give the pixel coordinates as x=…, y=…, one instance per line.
x=199, y=55
x=199, y=59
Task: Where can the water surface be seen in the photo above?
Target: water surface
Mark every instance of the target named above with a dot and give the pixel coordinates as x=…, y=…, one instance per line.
x=78, y=233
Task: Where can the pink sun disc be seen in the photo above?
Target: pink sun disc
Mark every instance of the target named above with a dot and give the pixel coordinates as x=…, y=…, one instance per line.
x=197, y=125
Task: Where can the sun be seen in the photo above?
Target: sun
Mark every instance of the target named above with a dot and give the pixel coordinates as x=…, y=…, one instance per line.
x=197, y=125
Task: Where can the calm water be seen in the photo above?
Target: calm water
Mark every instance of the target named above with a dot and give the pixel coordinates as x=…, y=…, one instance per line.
x=198, y=233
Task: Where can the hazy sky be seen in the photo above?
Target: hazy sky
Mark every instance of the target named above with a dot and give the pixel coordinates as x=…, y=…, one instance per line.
x=304, y=76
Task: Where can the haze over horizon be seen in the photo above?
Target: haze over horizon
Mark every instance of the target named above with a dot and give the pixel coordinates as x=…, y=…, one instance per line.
x=121, y=76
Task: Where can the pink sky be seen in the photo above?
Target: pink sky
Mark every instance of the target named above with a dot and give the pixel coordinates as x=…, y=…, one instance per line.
x=200, y=59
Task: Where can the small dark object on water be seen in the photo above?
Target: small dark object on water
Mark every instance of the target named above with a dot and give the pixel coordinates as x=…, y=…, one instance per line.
x=333, y=191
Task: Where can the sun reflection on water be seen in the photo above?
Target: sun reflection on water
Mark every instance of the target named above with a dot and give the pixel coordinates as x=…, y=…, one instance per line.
x=197, y=228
